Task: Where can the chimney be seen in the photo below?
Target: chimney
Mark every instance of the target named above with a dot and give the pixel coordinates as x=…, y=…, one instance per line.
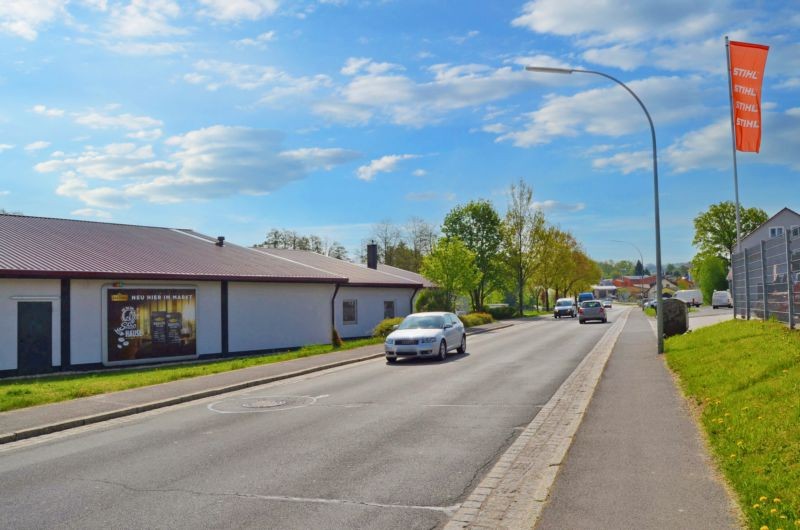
x=372, y=256
x=220, y=241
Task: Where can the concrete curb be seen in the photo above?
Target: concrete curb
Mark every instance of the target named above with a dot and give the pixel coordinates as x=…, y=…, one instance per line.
x=129, y=411
x=514, y=492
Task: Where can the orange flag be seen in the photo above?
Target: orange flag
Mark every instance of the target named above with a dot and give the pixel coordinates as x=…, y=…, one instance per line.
x=747, y=71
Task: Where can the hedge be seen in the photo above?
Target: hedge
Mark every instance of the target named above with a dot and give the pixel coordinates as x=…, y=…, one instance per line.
x=386, y=326
x=476, y=319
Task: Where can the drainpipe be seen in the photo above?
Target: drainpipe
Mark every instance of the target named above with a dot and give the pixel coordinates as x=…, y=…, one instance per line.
x=411, y=301
x=333, y=307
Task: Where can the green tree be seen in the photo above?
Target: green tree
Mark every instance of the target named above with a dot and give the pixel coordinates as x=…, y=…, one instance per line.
x=522, y=233
x=715, y=229
x=711, y=273
x=451, y=265
x=478, y=225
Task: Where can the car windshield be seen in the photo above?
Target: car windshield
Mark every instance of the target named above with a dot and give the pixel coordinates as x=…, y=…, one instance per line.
x=422, y=322
x=591, y=304
x=563, y=303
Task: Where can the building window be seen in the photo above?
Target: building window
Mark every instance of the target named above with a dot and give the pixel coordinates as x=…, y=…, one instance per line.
x=388, y=309
x=349, y=312
x=775, y=231
x=795, y=231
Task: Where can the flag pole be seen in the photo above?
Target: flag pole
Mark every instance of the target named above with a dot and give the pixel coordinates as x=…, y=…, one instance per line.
x=733, y=145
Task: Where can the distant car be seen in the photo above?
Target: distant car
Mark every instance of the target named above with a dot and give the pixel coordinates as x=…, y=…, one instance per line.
x=721, y=299
x=582, y=297
x=690, y=297
x=426, y=335
x=607, y=303
x=565, y=307
x=591, y=310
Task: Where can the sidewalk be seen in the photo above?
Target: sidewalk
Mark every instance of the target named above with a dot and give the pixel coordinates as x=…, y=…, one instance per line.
x=637, y=460
x=44, y=419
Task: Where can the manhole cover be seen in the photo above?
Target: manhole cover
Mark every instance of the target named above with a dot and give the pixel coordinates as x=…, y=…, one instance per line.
x=243, y=404
x=264, y=404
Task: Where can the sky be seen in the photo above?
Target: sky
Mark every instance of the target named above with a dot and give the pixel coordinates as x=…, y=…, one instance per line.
x=232, y=117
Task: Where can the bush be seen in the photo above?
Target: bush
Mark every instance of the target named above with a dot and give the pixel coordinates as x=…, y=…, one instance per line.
x=386, y=326
x=475, y=319
x=499, y=313
x=432, y=300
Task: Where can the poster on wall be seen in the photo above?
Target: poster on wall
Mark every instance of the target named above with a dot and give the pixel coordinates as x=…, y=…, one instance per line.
x=150, y=323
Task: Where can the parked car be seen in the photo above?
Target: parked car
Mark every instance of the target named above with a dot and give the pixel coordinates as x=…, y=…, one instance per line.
x=565, y=307
x=591, y=310
x=721, y=299
x=690, y=297
x=607, y=303
x=426, y=335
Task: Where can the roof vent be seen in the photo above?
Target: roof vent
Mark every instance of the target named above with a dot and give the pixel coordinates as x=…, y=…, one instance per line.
x=220, y=241
x=372, y=256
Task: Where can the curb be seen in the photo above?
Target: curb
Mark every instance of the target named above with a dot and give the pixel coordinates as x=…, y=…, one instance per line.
x=146, y=407
x=514, y=492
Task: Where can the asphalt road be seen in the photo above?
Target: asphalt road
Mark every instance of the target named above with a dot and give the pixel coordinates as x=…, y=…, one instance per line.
x=365, y=446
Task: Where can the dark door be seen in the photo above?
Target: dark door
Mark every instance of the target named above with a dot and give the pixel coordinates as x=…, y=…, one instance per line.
x=34, y=337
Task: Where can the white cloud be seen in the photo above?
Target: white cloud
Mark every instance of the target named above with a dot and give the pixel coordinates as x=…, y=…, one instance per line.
x=5, y=147
x=91, y=212
x=49, y=112
x=314, y=158
x=626, y=162
x=145, y=18
x=557, y=206
x=146, y=135
x=99, y=120
x=36, y=146
x=359, y=65
x=146, y=48
x=257, y=42
x=611, y=111
x=23, y=19
x=112, y=162
x=610, y=22
x=461, y=39
x=4, y=193
x=623, y=57
x=234, y=10
x=419, y=173
x=384, y=164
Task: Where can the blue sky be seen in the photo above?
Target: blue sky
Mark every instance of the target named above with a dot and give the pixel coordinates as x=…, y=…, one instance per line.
x=326, y=116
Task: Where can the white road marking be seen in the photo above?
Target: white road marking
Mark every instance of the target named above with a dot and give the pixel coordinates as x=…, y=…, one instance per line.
x=447, y=510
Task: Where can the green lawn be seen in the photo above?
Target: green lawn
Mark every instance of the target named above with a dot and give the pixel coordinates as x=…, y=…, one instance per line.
x=536, y=312
x=745, y=378
x=20, y=393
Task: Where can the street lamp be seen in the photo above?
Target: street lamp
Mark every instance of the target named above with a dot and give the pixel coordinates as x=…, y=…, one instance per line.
x=660, y=313
x=641, y=260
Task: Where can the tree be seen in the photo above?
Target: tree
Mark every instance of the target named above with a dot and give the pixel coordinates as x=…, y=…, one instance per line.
x=715, y=229
x=289, y=239
x=421, y=237
x=387, y=235
x=522, y=233
x=451, y=265
x=478, y=225
x=711, y=273
x=639, y=269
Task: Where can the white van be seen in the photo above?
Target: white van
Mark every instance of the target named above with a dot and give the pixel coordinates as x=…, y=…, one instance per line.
x=690, y=297
x=721, y=299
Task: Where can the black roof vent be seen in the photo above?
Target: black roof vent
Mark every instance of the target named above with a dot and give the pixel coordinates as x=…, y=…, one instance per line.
x=220, y=241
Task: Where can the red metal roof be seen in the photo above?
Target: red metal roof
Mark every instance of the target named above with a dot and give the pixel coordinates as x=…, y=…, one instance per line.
x=358, y=275
x=413, y=276
x=45, y=247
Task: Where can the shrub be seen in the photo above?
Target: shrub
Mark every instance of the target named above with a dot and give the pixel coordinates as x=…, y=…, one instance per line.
x=475, y=319
x=336, y=340
x=499, y=313
x=432, y=300
x=386, y=326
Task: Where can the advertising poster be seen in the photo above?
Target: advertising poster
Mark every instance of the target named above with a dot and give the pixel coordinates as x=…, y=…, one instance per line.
x=150, y=323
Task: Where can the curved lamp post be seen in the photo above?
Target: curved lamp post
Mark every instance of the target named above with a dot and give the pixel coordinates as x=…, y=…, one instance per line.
x=660, y=314
x=641, y=260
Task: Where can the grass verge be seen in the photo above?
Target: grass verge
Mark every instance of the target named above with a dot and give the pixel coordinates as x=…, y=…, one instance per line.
x=21, y=393
x=745, y=379
x=536, y=312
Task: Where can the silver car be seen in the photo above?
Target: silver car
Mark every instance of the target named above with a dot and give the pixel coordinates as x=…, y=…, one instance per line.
x=591, y=310
x=426, y=335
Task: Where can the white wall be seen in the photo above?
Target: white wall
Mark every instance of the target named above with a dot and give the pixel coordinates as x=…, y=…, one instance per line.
x=278, y=315
x=30, y=290
x=370, y=307
x=86, y=302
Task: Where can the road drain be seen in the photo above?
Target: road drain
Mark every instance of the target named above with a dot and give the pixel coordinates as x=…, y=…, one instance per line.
x=244, y=404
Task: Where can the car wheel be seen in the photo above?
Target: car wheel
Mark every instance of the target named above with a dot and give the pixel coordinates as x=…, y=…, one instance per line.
x=581, y=321
x=391, y=360
x=713, y=307
x=442, y=351
x=463, y=347
x=605, y=321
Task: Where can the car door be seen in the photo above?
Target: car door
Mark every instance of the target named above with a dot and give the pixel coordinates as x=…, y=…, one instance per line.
x=453, y=333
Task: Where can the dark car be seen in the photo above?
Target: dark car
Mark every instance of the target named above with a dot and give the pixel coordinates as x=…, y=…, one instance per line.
x=591, y=310
x=565, y=307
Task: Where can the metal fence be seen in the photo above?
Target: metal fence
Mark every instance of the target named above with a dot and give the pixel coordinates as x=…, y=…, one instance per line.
x=766, y=280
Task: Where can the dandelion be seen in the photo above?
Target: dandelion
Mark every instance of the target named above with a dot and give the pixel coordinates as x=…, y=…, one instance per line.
x=776, y=500
x=756, y=506
x=774, y=510
x=741, y=443
x=765, y=527
x=733, y=455
x=763, y=498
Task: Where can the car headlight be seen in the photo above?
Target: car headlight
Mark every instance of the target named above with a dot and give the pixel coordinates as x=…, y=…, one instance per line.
x=428, y=340
x=389, y=342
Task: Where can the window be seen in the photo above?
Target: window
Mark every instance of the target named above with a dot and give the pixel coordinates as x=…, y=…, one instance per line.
x=349, y=312
x=388, y=309
x=775, y=231
x=795, y=231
